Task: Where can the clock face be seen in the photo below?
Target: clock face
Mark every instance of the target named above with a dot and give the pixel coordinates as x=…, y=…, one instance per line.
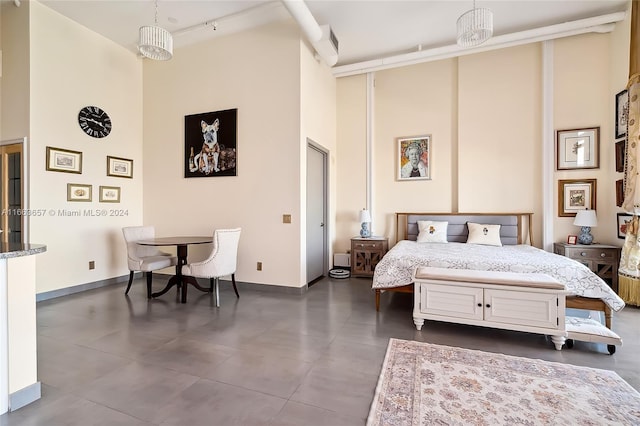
x=94, y=121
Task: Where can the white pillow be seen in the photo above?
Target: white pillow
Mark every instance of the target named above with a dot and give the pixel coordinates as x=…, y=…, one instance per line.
x=431, y=231
x=488, y=235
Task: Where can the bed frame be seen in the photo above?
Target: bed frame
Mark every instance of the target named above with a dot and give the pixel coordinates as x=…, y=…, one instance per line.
x=516, y=228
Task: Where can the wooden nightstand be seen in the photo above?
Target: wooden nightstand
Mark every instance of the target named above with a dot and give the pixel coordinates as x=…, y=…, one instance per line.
x=600, y=258
x=366, y=253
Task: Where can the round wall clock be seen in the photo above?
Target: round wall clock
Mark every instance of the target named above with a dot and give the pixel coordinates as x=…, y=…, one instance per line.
x=94, y=121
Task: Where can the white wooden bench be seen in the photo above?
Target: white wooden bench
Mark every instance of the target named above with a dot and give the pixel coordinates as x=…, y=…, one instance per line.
x=533, y=303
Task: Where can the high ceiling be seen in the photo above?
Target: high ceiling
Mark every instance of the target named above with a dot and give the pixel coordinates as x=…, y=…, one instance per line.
x=365, y=29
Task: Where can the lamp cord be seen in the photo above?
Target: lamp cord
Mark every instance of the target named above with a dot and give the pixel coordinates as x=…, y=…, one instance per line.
x=157, y=11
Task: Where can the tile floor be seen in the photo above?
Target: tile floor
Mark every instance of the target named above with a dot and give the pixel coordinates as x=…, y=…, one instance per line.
x=269, y=358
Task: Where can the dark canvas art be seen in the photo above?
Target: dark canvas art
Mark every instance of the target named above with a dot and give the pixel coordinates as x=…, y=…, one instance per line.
x=210, y=144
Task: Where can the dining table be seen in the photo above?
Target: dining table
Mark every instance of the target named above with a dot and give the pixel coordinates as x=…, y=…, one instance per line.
x=178, y=280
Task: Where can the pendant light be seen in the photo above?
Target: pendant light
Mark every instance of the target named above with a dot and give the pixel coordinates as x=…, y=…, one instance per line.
x=474, y=26
x=155, y=42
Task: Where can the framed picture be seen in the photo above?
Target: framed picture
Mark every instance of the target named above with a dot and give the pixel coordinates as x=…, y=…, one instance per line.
x=64, y=160
x=578, y=149
x=622, y=113
x=572, y=239
x=109, y=194
x=119, y=167
x=78, y=192
x=414, y=157
x=210, y=144
x=620, y=148
x=619, y=192
x=623, y=221
x=574, y=195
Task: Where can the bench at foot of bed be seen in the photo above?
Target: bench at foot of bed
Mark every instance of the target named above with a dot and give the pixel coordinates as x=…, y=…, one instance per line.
x=533, y=303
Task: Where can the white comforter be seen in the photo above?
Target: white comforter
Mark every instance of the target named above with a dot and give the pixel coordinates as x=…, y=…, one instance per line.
x=396, y=267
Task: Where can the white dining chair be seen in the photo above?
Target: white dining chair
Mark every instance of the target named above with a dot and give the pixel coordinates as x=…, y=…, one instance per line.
x=144, y=258
x=221, y=262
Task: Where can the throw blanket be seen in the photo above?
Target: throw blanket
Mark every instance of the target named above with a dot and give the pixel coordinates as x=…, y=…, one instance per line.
x=397, y=266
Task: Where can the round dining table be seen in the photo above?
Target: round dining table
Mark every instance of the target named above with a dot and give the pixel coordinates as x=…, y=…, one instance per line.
x=179, y=280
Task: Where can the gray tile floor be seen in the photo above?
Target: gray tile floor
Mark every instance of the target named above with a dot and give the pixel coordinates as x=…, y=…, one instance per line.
x=269, y=358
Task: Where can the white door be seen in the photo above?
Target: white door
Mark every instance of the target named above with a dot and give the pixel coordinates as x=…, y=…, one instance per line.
x=316, y=212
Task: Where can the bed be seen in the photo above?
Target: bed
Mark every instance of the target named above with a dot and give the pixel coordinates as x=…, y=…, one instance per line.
x=517, y=254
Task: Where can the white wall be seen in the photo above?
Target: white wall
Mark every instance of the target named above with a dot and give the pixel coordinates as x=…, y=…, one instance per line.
x=14, y=84
x=484, y=112
x=72, y=67
x=257, y=72
x=318, y=123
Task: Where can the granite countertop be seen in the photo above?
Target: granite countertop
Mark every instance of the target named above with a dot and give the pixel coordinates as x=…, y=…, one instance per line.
x=8, y=250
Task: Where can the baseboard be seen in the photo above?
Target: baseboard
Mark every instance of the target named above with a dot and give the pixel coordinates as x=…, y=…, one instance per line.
x=25, y=396
x=47, y=295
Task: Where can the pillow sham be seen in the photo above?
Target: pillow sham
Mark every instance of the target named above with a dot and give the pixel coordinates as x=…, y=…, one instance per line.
x=488, y=235
x=431, y=231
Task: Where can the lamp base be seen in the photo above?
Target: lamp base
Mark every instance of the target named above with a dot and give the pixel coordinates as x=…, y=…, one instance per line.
x=365, y=232
x=585, y=236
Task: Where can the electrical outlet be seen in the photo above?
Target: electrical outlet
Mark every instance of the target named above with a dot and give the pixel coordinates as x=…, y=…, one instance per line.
x=259, y=267
x=92, y=264
x=286, y=218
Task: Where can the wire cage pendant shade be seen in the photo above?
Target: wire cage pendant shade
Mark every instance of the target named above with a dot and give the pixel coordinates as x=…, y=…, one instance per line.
x=155, y=42
x=474, y=26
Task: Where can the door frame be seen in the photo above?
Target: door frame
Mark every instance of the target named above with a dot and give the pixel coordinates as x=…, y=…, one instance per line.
x=24, y=180
x=325, y=229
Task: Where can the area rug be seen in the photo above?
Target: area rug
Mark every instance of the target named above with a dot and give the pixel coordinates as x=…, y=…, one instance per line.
x=426, y=384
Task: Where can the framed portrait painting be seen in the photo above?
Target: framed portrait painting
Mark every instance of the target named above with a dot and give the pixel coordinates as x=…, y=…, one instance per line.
x=623, y=221
x=211, y=144
x=578, y=149
x=413, y=158
x=622, y=113
x=574, y=195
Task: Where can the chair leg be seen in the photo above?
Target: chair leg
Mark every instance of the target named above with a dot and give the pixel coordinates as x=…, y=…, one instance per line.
x=149, y=285
x=130, y=281
x=217, y=293
x=233, y=281
x=211, y=285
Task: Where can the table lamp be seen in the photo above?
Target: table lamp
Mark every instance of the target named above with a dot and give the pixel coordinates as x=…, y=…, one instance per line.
x=365, y=218
x=585, y=219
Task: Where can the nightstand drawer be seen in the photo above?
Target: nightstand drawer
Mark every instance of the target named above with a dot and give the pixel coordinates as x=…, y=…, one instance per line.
x=591, y=253
x=367, y=245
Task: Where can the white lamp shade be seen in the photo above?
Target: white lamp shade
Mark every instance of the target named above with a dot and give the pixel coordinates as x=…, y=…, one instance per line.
x=156, y=43
x=365, y=216
x=586, y=218
x=474, y=27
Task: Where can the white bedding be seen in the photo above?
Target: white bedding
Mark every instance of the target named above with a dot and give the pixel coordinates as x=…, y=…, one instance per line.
x=396, y=267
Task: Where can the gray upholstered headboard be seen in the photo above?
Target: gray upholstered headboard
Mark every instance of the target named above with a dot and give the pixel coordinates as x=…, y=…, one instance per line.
x=511, y=229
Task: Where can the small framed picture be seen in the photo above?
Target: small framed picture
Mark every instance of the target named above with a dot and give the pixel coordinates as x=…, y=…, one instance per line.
x=414, y=158
x=624, y=219
x=574, y=195
x=619, y=192
x=620, y=148
x=622, y=113
x=119, y=167
x=578, y=149
x=78, y=192
x=109, y=194
x=572, y=239
x=64, y=160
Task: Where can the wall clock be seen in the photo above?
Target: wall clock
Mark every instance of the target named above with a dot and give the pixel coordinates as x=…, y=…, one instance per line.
x=94, y=121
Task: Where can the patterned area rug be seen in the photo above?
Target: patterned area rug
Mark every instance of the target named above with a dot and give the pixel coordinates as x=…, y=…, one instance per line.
x=426, y=384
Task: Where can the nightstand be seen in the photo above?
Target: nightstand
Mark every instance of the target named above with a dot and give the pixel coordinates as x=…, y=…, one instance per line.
x=366, y=253
x=600, y=258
